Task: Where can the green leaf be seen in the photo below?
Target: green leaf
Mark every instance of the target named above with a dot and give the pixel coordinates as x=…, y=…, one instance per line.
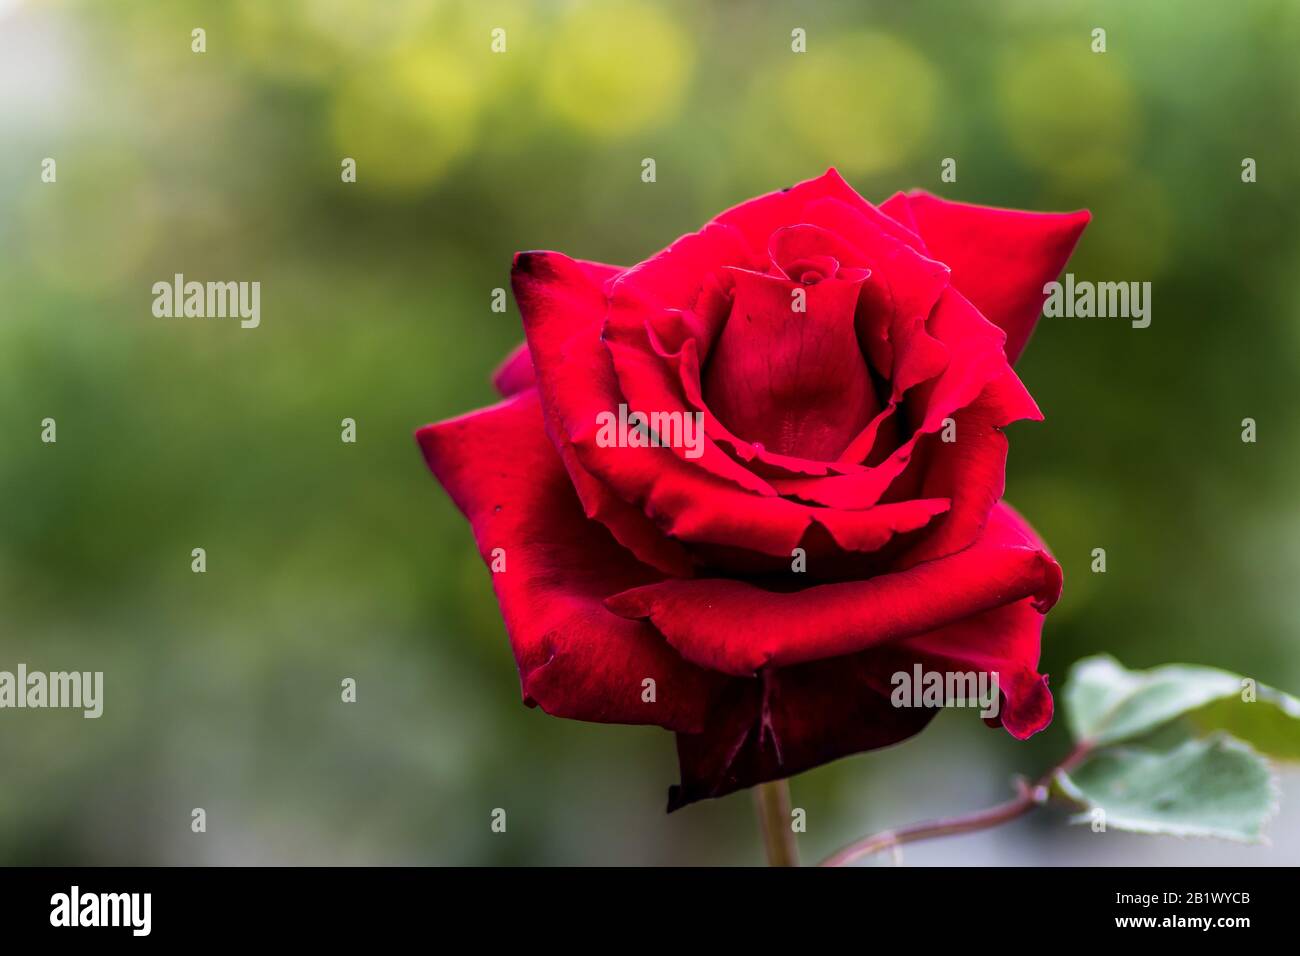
x=1271, y=724
x=1107, y=703
x=1215, y=787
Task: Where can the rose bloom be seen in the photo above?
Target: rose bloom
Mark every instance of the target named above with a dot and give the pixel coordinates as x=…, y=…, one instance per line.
x=842, y=520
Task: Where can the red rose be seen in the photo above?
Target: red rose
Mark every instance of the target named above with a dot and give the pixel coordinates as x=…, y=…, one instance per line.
x=851, y=366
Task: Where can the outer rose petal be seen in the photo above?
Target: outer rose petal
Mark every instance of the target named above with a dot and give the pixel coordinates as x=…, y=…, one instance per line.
x=1004, y=641
x=600, y=273
x=792, y=719
x=739, y=628
x=515, y=373
x=575, y=658
x=758, y=218
x=897, y=208
x=561, y=301
x=788, y=721
x=1000, y=258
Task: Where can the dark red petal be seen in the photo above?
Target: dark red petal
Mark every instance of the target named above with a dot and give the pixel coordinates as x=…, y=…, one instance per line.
x=515, y=373
x=792, y=719
x=738, y=628
x=627, y=523
x=562, y=314
x=758, y=218
x=793, y=382
x=787, y=721
x=1005, y=641
x=677, y=277
x=971, y=469
x=602, y=274
x=902, y=289
x=649, y=381
x=763, y=462
x=561, y=301
x=575, y=658
x=870, y=529
x=900, y=294
x=1000, y=258
x=897, y=208
x=684, y=500
x=975, y=346
x=557, y=299
x=795, y=248
x=684, y=364
x=559, y=305
x=662, y=319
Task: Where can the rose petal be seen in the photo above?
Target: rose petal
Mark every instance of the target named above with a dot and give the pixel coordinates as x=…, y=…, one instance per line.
x=762, y=461
x=1000, y=258
x=977, y=360
x=600, y=273
x=791, y=719
x=515, y=373
x=971, y=469
x=575, y=658
x=576, y=378
x=561, y=301
x=737, y=627
x=897, y=208
x=1005, y=641
x=872, y=528
x=787, y=721
x=758, y=218
x=668, y=299
x=793, y=382
x=650, y=384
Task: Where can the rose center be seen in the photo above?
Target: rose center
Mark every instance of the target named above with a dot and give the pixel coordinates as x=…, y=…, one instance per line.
x=787, y=371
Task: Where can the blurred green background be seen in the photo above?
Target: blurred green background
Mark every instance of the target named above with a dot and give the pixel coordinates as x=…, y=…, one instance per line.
x=328, y=560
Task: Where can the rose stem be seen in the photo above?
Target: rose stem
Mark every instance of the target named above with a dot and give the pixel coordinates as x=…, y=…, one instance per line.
x=773, y=802
x=1029, y=797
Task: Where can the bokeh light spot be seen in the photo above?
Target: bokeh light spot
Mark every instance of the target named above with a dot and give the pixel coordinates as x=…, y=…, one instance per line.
x=406, y=120
x=864, y=103
x=1068, y=112
x=616, y=68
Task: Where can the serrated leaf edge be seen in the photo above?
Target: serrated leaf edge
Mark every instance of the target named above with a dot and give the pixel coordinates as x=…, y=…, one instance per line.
x=1067, y=786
